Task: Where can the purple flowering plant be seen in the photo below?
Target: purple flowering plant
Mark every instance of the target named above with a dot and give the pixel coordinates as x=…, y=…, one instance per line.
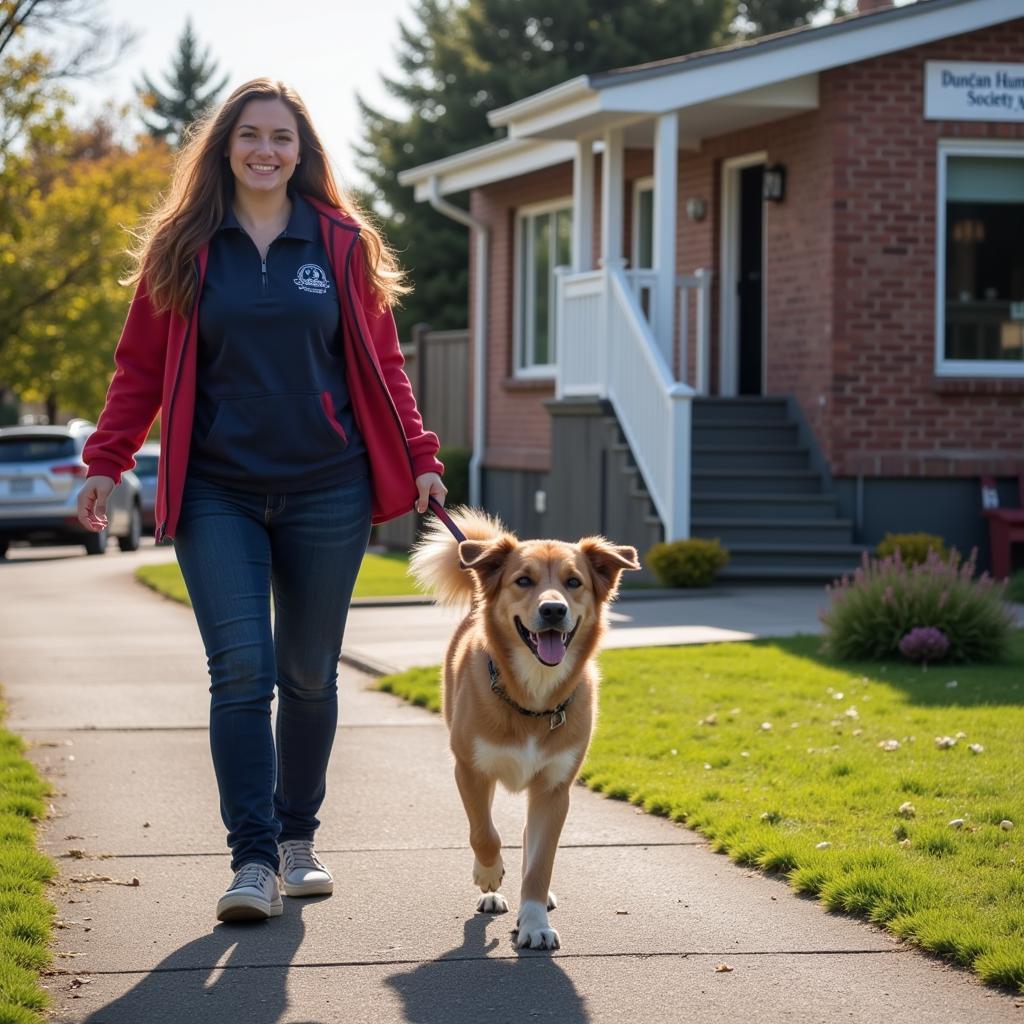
x=886, y=602
x=924, y=644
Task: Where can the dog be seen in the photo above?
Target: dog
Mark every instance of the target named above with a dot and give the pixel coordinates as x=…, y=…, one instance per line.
x=519, y=687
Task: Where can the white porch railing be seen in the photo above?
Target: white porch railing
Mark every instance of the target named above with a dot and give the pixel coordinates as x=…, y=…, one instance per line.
x=643, y=283
x=579, y=329
x=605, y=347
x=699, y=283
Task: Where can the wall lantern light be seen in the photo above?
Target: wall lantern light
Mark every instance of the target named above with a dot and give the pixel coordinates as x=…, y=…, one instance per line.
x=774, y=186
x=696, y=209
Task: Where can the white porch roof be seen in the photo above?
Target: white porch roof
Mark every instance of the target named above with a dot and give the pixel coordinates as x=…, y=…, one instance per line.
x=713, y=92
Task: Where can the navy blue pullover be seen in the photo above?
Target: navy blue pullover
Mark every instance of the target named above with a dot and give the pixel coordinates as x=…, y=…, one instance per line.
x=273, y=413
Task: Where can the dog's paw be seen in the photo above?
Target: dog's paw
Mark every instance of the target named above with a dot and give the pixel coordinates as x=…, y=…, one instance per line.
x=532, y=930
x=488, y=879
x=492, y=903
x=552, y=900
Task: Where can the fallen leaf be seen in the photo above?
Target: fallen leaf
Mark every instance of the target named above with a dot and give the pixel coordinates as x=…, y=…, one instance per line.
x=103, y=878
x=722, y=968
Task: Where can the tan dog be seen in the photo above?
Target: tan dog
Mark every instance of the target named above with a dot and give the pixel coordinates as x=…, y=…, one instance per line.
x=519, y=686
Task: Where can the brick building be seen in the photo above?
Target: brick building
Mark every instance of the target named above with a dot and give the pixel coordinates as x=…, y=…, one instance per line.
x=772, y=292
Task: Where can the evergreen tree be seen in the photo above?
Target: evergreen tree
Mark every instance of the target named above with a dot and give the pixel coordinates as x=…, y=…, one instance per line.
x=189, y=94
x=765, y=17
x=463, y=58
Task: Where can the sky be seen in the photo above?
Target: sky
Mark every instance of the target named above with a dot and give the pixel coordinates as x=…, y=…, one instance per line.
x=327, y=51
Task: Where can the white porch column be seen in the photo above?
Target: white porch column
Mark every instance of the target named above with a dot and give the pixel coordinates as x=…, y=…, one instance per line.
x=583, y=206
x=666, y=170
x=612, y=185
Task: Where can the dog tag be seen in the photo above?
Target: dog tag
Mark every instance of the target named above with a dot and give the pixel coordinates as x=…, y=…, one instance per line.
x=557, y=719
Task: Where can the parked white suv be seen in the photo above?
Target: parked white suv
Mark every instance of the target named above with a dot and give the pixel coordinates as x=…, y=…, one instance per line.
x=41, y=473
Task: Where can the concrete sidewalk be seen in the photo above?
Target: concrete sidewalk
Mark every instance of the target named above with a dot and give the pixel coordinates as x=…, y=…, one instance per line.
x=687, y=617
x=107, y=682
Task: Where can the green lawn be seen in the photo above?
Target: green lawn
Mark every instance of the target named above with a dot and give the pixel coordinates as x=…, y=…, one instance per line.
x=26, y=915
x=379, y=576
x=770, y=749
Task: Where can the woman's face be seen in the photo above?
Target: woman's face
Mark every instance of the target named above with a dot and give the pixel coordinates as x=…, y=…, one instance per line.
x=263, y=148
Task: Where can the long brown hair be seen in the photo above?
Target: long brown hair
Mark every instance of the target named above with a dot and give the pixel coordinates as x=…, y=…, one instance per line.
x=201, y=189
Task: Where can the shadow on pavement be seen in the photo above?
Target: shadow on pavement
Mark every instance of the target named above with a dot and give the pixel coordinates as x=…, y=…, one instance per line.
x=463, y=986
x=176, y=991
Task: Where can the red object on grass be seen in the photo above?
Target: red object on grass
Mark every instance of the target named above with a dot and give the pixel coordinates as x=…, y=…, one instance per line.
x=1005, y=525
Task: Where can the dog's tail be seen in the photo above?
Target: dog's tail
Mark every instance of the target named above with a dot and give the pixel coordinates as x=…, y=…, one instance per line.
x=434, y=562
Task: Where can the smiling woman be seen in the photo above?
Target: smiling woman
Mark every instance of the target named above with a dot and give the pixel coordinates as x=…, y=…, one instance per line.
x=261, y=329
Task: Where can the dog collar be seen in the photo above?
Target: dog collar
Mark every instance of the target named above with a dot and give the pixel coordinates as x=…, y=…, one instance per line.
x=557, y=714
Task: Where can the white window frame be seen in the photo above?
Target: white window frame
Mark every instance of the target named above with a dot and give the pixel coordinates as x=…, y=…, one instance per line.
x=640, y=185
x=1009, y=148
x=540, y=370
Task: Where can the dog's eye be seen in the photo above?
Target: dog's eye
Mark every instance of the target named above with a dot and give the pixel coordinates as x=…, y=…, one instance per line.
x=573, y=582
x=524, y=581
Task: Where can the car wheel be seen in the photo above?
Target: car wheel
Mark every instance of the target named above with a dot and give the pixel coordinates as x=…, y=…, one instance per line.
x=96, y=543
x=130, y=541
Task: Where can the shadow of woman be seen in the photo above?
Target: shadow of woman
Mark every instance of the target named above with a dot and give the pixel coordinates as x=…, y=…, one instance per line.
x=464, y=986
x=198, y=985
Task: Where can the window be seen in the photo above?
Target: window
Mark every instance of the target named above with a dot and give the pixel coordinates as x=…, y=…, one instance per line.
x=643, y=224
x=980, y=302
x=642, y=249
x=43, y=448
x=543, y=241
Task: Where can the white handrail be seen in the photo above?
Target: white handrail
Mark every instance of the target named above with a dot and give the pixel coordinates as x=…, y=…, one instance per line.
x=652, y=407
x=700, y=282
x=606, y=347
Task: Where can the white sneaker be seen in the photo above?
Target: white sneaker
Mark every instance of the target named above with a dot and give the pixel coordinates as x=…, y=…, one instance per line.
x=252, y=896
x=302, y=871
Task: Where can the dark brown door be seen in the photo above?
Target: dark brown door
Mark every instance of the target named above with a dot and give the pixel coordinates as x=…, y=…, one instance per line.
x=749, y=287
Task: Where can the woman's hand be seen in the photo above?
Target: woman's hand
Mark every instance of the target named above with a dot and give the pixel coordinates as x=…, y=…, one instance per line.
x=92, y=502
x=430, y=486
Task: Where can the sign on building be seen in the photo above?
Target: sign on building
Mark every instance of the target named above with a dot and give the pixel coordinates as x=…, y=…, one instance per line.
x=973, y=91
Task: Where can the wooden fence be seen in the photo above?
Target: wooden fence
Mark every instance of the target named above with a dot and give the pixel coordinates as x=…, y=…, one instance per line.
x=437, y=364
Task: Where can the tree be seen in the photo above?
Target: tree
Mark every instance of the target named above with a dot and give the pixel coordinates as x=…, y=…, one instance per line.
x=65, y=195
x=33, y=121
x=464, y=58
x=189, y=94
x=61, y=307
x=765, y=17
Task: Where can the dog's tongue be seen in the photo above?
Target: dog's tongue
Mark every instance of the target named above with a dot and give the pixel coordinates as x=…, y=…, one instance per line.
x=550, y=647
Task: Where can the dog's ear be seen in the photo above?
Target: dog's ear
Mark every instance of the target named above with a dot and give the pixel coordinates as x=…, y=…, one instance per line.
x=486, y=557
x=607, y=561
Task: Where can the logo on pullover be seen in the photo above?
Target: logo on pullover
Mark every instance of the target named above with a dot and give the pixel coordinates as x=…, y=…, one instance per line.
x=311, y=278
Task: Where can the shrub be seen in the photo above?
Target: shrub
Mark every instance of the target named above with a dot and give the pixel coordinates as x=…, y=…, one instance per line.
x=456, y=474
x=1015, y=588
x=886, y=599
x=687, y=563
x=913, y=547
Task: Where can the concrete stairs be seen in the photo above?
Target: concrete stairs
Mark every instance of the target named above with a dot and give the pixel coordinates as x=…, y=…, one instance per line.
x=754, y=488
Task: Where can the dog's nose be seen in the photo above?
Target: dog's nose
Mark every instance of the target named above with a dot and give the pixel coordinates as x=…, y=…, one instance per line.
x=552, y=612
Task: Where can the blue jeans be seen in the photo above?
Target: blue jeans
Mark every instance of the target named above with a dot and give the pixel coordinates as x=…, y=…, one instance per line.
x=234, y=549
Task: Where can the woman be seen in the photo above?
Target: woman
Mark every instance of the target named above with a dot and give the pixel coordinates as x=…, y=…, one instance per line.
x=261, y=330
